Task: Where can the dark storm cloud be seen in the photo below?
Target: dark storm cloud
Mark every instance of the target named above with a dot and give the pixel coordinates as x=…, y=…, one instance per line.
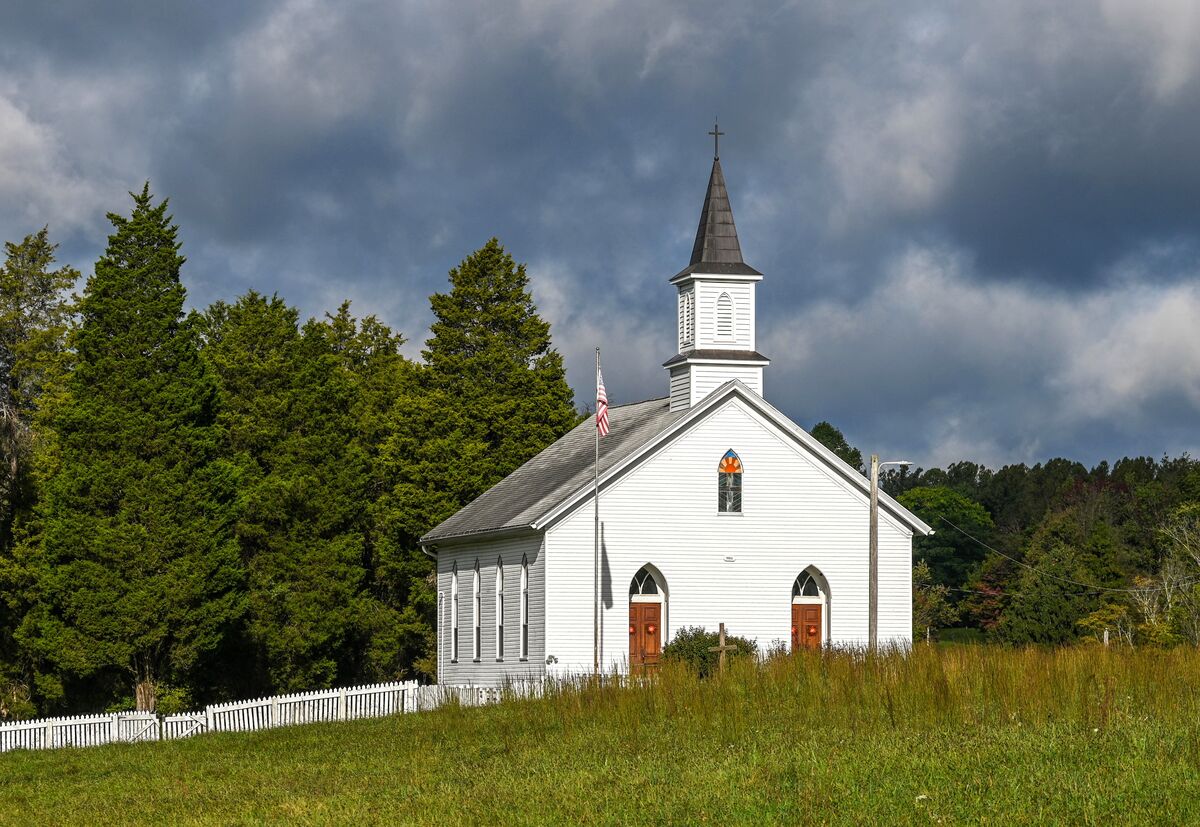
x=979, y=226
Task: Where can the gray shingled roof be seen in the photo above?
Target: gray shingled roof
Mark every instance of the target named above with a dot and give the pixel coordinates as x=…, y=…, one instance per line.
x=560, y=470
x=717, y=249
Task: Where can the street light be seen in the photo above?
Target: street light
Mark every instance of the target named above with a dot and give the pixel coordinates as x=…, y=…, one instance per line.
x=873, y=599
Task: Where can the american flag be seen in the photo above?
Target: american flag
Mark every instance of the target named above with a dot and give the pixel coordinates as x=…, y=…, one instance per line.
x=601, y=405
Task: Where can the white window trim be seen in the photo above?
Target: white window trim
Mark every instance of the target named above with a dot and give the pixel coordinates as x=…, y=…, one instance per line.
x=524, y=654
x=454, y=614
x=499, y=610
x=732, y=334
x=742, y=503
x=687, y=318
x=476, y=611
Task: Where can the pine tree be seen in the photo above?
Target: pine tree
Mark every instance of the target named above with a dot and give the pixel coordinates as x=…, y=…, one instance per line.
x=33, y=327
x=291, y=418
x=833, y=439
x=491, y=395
x=34, y=318
x=135, y=575
x=490, y=354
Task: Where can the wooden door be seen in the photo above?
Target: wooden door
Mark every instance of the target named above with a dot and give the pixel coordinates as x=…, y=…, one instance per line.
x=806, y=626
x=645, y=636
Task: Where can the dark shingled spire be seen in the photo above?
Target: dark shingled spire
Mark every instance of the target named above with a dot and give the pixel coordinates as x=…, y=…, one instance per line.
x=717, y=249
x=716, y=238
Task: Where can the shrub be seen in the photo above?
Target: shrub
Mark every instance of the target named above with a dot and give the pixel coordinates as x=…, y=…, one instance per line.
x=691, y=645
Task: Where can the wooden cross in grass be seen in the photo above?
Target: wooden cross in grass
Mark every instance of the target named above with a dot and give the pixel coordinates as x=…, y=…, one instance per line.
x=721, y=648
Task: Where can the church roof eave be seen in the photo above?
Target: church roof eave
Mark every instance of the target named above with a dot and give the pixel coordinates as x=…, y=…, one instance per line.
x=731, y=272
x=717, y=356
x=648, y=426
x=512, y=505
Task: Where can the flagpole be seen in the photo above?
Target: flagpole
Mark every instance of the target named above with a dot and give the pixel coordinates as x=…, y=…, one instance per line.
x=596, y=528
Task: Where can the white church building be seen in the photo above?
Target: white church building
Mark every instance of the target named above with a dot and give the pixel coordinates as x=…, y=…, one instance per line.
x=714, y=508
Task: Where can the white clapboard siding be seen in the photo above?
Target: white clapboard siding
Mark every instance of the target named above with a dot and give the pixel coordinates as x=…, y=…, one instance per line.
x=681, y=388
x=707, y=378
x=796, y=513
x=488, y=670
x=708, y=294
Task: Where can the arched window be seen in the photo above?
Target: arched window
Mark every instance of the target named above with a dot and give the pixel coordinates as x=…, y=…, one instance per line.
x=499, y=609
x=729, y=484
x=454, y=613
x=724, y=316
x=476, y=610
x=806, y=586
x=524, y=608
x=643, y=582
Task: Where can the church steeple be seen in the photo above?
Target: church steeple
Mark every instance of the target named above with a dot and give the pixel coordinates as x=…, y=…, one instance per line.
x=716, y=238
x=716, y=305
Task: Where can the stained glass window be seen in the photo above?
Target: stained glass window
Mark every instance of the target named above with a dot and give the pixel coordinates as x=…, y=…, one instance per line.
x=729, y=483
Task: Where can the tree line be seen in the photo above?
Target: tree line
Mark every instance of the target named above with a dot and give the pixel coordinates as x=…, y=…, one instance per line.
x=196, y=506
x=1055, y=552
x=226, y=502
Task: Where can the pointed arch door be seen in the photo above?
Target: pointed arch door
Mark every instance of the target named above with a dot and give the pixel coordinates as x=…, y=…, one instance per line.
x=809, y=604
x=646, y=598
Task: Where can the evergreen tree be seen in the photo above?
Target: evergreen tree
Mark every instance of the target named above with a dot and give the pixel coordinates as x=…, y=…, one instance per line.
x=34, y=316
x=492, y=394
x=491, y=365
x=135, y=577
x=33, y=325
x=932, y=609
x=1051, y=593
x=832, y=438
x=950, y=554
x=291, y=409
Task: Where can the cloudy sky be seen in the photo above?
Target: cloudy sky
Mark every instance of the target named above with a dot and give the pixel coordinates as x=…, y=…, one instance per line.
x=979, y=223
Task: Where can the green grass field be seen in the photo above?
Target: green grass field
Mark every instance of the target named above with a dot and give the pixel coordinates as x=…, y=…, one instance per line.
x=946, y=735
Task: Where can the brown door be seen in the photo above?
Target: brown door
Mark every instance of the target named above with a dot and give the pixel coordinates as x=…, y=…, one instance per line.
x=645, y=635
x=806, y=626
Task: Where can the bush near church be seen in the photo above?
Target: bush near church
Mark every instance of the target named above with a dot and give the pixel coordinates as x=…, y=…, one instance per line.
x=691, y=646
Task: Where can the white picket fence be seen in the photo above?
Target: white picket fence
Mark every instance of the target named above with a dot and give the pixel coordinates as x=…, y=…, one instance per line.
x=344, y=704
x=79, y=731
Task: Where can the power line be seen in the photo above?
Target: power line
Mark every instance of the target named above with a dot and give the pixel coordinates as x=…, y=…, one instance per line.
x=1090, y=587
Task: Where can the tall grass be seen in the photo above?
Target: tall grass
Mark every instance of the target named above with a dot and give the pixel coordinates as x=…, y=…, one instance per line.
x=944, y=734
x=1086, y=687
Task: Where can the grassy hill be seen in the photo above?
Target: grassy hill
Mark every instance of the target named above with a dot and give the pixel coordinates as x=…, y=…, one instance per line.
x=964, y=734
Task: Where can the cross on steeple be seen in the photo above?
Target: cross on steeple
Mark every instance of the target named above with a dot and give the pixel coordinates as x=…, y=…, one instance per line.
x=716, y=133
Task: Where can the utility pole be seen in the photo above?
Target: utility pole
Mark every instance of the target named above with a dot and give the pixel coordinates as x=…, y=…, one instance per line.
x=873, y=565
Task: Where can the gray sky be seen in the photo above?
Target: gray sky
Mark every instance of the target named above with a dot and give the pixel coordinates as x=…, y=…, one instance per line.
x=979, y=223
